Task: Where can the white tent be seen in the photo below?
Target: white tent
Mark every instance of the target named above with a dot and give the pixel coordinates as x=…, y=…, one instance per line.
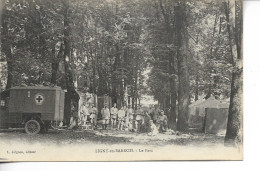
x=209, y=103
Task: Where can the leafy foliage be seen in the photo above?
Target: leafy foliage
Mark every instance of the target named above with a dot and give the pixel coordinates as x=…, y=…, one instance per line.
x=109, y=46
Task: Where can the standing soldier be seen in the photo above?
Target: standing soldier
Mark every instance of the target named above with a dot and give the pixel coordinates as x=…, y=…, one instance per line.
x=121, y=118
x=114, y=112
x=162, y=122
x=84, y=113
x=129, y=117
x=155, y=114
x=93, y=116
x=146, y=122
x=138, y=118
x=105, y=116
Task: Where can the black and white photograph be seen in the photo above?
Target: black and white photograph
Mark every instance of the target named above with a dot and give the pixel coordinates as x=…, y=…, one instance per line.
x=121, y=80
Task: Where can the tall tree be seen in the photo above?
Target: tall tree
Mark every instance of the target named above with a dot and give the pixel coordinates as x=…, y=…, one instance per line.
x=182, y=57
x=171, y=63
x=6, y=44
x=1, y=70
x=234, y=125
x=72, y=97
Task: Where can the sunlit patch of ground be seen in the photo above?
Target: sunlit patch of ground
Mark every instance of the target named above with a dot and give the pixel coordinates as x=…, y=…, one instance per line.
x=65, y=137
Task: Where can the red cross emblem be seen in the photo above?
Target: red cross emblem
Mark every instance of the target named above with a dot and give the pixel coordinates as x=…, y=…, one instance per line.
x=39, y=99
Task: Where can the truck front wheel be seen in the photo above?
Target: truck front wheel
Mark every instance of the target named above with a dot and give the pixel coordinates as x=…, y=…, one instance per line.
x=32, y=127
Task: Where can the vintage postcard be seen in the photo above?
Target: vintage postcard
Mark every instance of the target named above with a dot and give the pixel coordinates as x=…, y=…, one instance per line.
x=121, y=80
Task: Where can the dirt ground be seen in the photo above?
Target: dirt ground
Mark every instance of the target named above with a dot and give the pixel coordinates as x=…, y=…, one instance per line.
x=65, y=137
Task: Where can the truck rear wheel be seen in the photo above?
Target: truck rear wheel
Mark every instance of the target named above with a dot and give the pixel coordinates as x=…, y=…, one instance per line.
x=32, y=127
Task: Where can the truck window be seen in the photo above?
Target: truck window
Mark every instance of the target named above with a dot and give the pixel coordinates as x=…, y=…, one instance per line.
x=2, y=103
x=4, y=96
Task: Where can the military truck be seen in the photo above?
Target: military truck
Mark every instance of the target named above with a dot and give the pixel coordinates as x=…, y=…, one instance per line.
x=31, y=107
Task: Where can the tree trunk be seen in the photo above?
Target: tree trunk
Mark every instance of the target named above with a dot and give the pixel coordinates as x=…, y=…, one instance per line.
x=173, y=93
x=183, y=87
x=171, y=68
x=55, y=63
x=209, y=91
x=1, y=13
x=6, y=48
x=72, y=96
x=116, y=64
x=197, y=88
x=233, y=134
x=115, y=80
x=136, y=82
x=234, y=125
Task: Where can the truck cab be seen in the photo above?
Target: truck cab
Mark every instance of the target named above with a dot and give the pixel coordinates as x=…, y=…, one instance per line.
x=4, y=99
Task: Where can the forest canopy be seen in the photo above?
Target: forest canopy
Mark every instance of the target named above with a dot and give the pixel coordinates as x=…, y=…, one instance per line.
x=174, y=50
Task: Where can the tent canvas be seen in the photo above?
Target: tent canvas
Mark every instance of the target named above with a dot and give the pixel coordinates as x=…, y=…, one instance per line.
x=210, y=103
x=197, y=110
x=216, y=120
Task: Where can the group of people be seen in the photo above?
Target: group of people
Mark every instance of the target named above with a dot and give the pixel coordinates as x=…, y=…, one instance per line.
x=125, y=118
x=88, y=113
